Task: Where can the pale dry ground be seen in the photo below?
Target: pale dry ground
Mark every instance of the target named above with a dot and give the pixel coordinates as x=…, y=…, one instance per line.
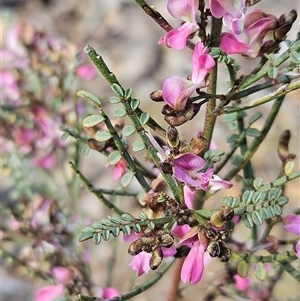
x=127, y=40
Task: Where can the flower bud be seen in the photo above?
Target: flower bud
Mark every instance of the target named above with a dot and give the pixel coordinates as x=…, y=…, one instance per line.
x=283, y=145
x=166, y=240
x=213, y=249
x=157, y=96
x=173, y=137
x=95, y=144
x=159, y=185
x=219, y=218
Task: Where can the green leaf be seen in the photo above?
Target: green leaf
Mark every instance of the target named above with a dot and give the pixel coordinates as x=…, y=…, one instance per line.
x=128, y=93
x=89, y=98
x=254, y=117
x=282, y=200
x=85, y=149
x=85, y=236
x=295, y=57
x=114, y=157
x=127, y=217
x=270, y=212
x=120, y=113
x=233, y=201
x=63, y=128
x=106, y=222
x=137, y=228
x=247, y=197
x=144, y=118
x=117, y=89
x=103, y=136
x=129, y=130
x=257, y=219
x=127, y=178
x=237, y=159
x=258, y=196
x=260, y=271
x=92, y=120
x=116, y=220
x=97, y=238
x=232, y=138
x=258, y=182
x=273, y=72
x=126, y=230
x=143, y=216
x=242, y=268
x=105, y=234
x=115, y=99
x=115, y=231
x=247, y=220
x=97, y=225
x=263, y=213
x=151, y=225
x=138, y=146
x=229, y=117
x=277, y=210
x=252, y=132
x=64, y=136
x=134, y=104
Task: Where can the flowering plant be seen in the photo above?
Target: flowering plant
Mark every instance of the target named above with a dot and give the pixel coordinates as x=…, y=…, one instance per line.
x=174, y=219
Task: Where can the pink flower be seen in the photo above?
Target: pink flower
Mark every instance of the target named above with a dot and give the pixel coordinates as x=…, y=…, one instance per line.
x=242, y=284
x=232, y=11
x=86, y=72
x=41, y=217
x=61, y=274
x=177, y=90
x=187, y=169
x=292, y=224
x=184, y=10
x=49, y=293
x=193, y=266
x=120, y=169
x=109, y=292
x=259, y=31
x=140, y=263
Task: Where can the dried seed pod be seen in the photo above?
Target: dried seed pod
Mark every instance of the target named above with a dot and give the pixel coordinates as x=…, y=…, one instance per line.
x=95, y=144
x=157, y=96
x=219, y=218
x=225, y=252
x=159, y=185
x=156, y=258
x=173, y=137
x=167, y=240
x=213, y=249
x=198, y=145
x=136, y=247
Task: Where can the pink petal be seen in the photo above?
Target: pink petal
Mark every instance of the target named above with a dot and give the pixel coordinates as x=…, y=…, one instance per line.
x=184, y=10
x=202, y=63
x=292, y=223
x=217, y=183
x=189, y=197
x=176, y=91
x=189, y=161
x=61, y=274
x=109, y=292
x=179, y=231
x=241, y=283
x=232, y=45
x=176, y=38
x=49, y=293
x=216, y=9
x=86, y=72
x=193, y=266
x=140, y=263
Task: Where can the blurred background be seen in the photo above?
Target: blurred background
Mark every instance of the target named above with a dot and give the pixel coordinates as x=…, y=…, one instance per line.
x=40, y=197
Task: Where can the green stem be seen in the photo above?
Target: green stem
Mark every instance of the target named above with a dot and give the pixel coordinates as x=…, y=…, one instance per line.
x=281, y=91
x=119, y=144
x=264, y=71
x=114, y=192
x=88, y=185
x=137, y=289
x=258, y=140
x=133, y=115
x=210, y=117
